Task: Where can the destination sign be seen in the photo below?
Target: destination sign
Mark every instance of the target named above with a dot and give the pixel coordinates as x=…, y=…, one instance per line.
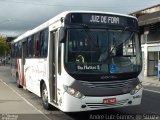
x=102, y=19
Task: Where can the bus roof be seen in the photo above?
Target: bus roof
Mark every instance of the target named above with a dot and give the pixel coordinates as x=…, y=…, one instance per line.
x=58, y=17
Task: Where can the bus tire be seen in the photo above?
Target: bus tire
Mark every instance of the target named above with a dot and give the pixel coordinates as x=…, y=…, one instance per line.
x=44, y=94
x=17, y=81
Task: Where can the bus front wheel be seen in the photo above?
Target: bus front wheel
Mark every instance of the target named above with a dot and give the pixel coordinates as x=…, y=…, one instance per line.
x=44, y=93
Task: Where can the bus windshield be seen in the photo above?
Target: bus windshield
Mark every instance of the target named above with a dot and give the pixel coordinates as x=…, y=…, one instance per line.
x=102, y=51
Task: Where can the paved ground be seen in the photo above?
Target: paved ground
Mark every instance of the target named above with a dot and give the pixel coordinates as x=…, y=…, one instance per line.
x=15, y=107
x=151, y=81
x=9, y=100
x=29, y=104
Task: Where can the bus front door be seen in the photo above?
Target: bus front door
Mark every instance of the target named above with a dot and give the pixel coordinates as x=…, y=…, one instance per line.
x=53, y=66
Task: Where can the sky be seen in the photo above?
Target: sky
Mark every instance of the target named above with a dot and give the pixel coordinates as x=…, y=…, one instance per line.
x=18, y=16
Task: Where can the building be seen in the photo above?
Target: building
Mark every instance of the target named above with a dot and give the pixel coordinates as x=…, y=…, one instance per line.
x=149, y=23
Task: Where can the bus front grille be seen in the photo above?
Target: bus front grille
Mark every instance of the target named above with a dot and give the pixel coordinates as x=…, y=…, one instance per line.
x=108, y=84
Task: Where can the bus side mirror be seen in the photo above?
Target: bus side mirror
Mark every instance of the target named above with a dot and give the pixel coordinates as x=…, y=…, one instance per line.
x=62, y=34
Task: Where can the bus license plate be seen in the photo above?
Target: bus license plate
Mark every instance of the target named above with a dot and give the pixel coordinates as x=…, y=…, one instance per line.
x=109, y=101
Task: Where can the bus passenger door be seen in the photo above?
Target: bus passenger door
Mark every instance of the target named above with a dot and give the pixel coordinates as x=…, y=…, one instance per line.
x=23, y=62
x=53, y=66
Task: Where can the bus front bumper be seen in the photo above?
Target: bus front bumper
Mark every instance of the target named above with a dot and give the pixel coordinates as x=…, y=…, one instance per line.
x=73, y=104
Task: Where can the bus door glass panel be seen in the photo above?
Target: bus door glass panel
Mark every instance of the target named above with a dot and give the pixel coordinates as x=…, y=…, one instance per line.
x=54, y=61
x=23, y=57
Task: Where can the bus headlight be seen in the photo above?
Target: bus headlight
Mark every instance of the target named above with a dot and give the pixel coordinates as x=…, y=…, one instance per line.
x=136, y=89
x=73, y=92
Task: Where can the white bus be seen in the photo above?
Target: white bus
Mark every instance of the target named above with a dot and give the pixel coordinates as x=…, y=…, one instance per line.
x=80, y=61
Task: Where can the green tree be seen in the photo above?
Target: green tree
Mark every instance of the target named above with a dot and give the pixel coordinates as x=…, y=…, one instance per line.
x=4, y=47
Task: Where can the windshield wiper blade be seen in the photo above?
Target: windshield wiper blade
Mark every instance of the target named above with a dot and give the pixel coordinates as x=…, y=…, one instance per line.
x=119, y=37
x=119, y=44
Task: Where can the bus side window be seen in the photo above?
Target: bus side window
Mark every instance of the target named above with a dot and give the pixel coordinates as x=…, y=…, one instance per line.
x=16, y=50
x=26, y=46
x=20, y=49
x=36, y=45
x=30, y=46
x=16, y=54
x=44, y=43
x=41, y=43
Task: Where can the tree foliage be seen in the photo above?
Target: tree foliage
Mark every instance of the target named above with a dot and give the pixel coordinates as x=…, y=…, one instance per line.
x=4, y=47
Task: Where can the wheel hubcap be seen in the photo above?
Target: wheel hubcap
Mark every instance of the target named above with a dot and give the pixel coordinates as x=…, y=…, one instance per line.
x=45, y=95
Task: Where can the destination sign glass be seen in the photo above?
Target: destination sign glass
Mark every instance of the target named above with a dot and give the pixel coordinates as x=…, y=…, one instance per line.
x=103, y=19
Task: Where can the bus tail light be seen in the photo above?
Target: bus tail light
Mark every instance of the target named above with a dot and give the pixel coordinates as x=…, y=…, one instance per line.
x=136, y=89
x=73, y=92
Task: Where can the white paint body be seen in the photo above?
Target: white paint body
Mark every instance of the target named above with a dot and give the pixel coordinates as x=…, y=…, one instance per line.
x=36, y=70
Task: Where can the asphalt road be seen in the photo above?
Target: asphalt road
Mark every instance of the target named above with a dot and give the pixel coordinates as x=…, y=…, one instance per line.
x=149, y=109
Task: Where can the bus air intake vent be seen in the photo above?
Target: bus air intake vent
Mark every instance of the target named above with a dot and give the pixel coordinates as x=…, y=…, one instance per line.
x=107, y=84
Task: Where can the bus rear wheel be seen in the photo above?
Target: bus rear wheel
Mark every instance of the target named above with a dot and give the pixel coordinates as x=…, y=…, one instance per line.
x=44, y=93
x=18, y=81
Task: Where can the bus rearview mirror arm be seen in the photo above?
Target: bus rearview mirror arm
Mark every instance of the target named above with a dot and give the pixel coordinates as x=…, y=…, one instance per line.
x=62, y=34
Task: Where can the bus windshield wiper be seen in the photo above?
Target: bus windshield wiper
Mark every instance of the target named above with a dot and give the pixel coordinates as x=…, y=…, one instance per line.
x=121, y=42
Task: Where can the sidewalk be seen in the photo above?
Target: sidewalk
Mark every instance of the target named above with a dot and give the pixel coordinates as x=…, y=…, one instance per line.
x=13, y=106
x=151, y=81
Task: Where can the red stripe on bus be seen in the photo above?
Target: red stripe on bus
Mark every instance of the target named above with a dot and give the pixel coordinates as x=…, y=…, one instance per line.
x=19, y=72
